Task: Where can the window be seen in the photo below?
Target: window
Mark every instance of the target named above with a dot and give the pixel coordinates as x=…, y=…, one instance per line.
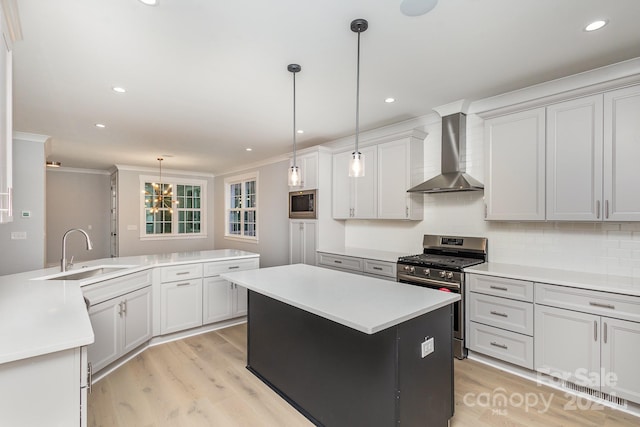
x=174, y=208
x=241, y=207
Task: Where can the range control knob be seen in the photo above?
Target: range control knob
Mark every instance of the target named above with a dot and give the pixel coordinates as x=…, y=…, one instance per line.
x=406, y=268
x=412, y=269
x=449, y=275
x=442, y=274
x=426, y=272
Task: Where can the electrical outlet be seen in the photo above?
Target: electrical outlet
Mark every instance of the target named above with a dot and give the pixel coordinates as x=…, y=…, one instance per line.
x=18, y=235
x=427, y=347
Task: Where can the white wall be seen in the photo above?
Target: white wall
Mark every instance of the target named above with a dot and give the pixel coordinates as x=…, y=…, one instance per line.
x=129, y=209
x=273, y=215
x=611, y=248
x=28, y=195
x=77, y=198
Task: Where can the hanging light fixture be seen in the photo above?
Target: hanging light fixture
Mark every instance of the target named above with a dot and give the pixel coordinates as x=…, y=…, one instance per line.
x=294, y=170
x=356, y=165
x=155, y=200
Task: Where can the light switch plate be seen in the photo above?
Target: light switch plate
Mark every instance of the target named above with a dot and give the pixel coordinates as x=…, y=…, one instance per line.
x=427, y=347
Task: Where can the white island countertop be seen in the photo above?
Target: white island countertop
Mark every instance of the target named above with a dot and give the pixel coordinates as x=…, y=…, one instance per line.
x=362, y=303
x=44, y=316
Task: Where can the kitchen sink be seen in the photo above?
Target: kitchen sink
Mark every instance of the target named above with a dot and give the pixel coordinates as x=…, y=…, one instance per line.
x=86, y=272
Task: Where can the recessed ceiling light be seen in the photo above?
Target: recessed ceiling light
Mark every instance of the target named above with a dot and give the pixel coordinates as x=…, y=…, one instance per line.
x=248, y=149
x=417, y=7
x=300, y=131
x=595, y=25
x=389, y=100
x=150, y=2
x=119, y=89
x=100, y=125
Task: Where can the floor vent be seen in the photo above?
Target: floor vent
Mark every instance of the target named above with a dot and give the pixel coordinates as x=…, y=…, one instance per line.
x=595, y=393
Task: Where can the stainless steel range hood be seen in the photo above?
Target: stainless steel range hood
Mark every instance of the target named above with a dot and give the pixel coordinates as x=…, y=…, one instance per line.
x=453, y=176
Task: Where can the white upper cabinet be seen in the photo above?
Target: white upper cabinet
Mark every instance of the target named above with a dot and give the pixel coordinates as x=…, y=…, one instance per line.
x=400, y=167
x=574, y=159
x=515, y=166
x=355, y=197
x=621, y=154
x=308, y=164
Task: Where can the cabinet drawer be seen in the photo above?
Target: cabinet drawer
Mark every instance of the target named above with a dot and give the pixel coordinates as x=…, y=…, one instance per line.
x=380, y=268
x=112, y=288
x=626, y=307
x=504, y=345
x=341, y=262
x=515, y=316
x=180, y=272
x=217, y=267
x=499, y=286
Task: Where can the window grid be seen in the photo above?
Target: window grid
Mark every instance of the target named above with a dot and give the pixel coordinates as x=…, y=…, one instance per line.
x=242, y=208
x=160, y=203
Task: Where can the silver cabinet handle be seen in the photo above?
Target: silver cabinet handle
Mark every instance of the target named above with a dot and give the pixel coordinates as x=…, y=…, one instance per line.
x=89, y=376
x=597, y=209
x=601, y=305
x=496, y=313
x=337, y=261
x=234, y=267
x=377, y=268
x=495, y=344
x=182, y=273
x=485, y=210
x=124, y=307
x=604, y=335
x=120, y=312
x=595, y=330
x=183, y=284
x=499, y=288
x=606, y=209
x=406, y=214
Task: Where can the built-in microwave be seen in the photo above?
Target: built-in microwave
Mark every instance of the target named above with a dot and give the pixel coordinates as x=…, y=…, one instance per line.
x=303, y=204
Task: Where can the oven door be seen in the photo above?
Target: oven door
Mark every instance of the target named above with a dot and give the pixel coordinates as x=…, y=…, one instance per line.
x=458, y=319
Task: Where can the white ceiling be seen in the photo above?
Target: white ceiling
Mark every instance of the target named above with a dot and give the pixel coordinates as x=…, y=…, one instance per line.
x=207, y=78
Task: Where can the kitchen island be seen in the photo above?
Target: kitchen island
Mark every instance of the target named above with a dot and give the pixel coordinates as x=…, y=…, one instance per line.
x=350, y=350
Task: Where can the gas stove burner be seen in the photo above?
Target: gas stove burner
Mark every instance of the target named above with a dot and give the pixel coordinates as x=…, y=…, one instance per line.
x=442, y=261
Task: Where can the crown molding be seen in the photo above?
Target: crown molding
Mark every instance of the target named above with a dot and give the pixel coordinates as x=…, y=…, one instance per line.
x=32, y=137
x=78, y=170
x=164, y=170
x=13, y=28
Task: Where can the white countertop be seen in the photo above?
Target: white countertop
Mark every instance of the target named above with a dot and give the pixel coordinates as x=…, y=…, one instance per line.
x=365, y=253
x=576, y=279
x=363, y=303
x=44, y=316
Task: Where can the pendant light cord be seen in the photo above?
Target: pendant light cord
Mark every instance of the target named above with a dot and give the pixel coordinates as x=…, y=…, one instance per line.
x=358, y=93
x=294, y=119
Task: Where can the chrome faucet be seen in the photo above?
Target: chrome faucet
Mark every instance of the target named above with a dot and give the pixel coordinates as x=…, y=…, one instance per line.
x=63, y=261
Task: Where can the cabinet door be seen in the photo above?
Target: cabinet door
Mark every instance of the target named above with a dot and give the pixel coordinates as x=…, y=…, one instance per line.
x=181, y=305
x=574, y=159
x=241, y=304
x=105, y=321
x=515, y=166
x=341, y=186
x=309, y=165
x=621, y=154
x=620, y=344
x=567, y=345
x=217, y=300
x=137, y=319
x=394, y=177
x=302, y=242
x=366, y=187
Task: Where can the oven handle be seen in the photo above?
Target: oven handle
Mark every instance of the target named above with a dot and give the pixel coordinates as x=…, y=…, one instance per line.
x=436, y=283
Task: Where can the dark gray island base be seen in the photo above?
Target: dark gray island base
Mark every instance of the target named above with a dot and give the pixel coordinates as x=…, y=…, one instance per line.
x=338, y=376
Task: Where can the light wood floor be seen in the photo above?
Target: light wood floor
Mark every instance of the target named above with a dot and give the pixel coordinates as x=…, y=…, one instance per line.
x=202, y=381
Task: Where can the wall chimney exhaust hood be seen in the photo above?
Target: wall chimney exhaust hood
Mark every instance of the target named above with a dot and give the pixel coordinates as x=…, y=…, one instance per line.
x=453, y=176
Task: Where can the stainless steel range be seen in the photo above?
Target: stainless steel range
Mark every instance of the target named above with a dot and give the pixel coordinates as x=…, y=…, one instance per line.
x=440, y=266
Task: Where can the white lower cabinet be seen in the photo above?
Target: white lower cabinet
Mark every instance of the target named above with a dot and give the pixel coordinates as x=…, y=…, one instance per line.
x=365, y=266
x=119, y=326
x=302, y=242
x=47, y=390
x=619, y=356
x=221, y=299
x=181, y=305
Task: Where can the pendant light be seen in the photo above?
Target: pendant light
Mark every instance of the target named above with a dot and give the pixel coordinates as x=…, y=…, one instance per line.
x=356, y=165
x=159, y=194
x=294, y=170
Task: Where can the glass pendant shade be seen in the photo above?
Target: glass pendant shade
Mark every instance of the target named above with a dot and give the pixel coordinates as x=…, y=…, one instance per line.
x=356, y=165
x=294, y=176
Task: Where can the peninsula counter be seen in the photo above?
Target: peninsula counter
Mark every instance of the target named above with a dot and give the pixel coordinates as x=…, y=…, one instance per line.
x=347, y=350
